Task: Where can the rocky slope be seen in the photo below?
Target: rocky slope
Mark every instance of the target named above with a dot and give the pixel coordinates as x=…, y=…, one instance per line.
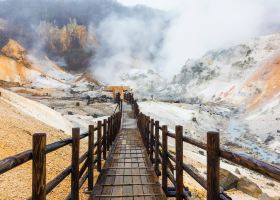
x=236, y=75
x=235, y=90
x=16, y=65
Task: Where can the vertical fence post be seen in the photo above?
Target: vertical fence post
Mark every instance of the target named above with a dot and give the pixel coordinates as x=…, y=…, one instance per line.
x=143, y=129
x=179, y=163
x=113, y=128
x=141, y=124
x=119, y=122
x=108, y=134
x=110, y=131
x=152, y=141
x=90, y=157
x=99, y=145
x=213, y=165
x=157, y=148
x=104, y=139
x=148, y=135
x=39, y=166
x=164, y=157
x=75, y=163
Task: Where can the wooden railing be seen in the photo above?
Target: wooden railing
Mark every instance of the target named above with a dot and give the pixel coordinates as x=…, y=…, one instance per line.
x=159, y=154
x=106, y=132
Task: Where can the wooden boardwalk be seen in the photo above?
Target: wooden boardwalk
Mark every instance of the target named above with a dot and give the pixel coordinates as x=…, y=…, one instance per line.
x=128, y=172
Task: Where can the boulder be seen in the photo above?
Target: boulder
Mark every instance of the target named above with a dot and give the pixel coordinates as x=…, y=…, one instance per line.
x=248, y=187
x=237, y=171
x=228, y=180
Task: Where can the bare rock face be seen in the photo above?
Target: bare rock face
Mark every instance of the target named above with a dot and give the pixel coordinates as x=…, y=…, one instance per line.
x=228, y=180
x=14, y=50
x=248, y=187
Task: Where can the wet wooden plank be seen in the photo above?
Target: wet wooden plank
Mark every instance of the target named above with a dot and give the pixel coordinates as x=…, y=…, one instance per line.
x=128, y=173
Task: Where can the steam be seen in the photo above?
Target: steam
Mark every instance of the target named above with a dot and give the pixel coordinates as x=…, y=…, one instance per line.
x=126, y=43
x=196, y=26
x=204, y=25
x=134, y=36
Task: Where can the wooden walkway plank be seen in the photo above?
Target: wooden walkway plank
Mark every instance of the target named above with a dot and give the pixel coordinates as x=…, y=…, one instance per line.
x=128, y=173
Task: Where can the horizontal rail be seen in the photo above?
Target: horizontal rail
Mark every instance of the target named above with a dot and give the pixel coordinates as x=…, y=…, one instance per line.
x=14, y=161
x=240, y=159
x=200, y=179
x=195, y=142
x=252, y=164
x=58, y=179
x=57, y=145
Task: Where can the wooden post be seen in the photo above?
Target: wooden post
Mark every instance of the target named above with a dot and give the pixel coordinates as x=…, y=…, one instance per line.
x=39, y=166
x=157, y=148
x=213, y=165
x=142, y=126
x=110, y=131
x=164, y=158
x=140, y=123
x=108, y=134
x=113, y=128
x=99, y=145
x=104, y=139
x=148, y=134
x=152, y=141
x=118, y=123
x=179, y=163
x=75, y=163
x=90, y=157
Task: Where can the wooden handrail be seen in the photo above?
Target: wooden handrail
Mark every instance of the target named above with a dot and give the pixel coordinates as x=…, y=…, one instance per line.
x=253, y=164
x=79, y=175
x=214, y=154
x=14, y=161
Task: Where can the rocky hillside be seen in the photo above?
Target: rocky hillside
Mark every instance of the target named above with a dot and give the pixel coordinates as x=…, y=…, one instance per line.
x=18, y=66
x=66, y=30
x=231, y=89
x=244, y=75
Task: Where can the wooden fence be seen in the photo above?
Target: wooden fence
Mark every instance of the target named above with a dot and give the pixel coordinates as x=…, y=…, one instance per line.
x=159, y=154
x=106, y=132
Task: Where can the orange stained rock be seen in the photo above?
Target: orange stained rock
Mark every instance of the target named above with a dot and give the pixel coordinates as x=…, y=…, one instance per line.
x=267, y=80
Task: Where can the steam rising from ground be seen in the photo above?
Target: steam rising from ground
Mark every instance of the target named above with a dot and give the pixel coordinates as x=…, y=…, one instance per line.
x=162, y=38
x=126, y=43
x=196, y=26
